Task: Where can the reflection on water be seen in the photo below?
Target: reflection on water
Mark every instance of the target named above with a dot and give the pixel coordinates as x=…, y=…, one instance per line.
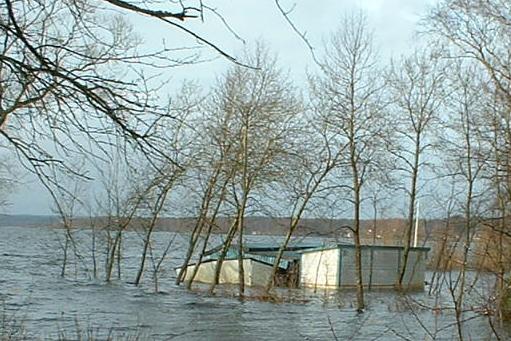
x=33, y=292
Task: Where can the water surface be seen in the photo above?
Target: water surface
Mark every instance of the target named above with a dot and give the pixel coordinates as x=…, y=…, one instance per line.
x=34, y=294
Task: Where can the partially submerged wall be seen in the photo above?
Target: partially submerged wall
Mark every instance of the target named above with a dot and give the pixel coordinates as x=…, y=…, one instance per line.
x=256, y=273
x=381, y=266
x=320, y=268
x=415, y=270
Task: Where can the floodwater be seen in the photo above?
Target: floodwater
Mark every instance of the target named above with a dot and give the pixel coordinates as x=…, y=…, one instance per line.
x=43, y=305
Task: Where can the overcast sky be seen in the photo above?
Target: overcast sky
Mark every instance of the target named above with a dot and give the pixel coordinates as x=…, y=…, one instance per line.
x=394, y=23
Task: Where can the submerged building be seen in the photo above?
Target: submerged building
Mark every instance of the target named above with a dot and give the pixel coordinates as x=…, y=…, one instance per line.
x=256, y=273
x=258, y=259
x=334, y=267
x=309, y=265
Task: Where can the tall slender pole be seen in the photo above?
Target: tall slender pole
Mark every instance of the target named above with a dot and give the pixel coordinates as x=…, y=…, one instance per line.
x=416, y=234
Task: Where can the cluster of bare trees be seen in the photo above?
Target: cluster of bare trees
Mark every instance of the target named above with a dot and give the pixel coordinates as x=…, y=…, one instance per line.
x=79, y=101
x=74, y=86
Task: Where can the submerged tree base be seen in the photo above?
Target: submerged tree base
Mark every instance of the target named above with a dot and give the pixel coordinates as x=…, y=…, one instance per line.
x=506, y=304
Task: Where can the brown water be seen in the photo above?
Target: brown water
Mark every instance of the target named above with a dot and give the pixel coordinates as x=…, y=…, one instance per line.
x=34, y=295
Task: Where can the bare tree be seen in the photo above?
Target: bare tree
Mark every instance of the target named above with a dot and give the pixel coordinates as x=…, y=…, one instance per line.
x=163, y=186
x=165, y=178
x=496, y=250
x=313, y=156
x=121, y=205
x=218, y=175
x=465, y=152
x=417, y=96
x=73, y=81
x=157, y=262
x=350, y=87
x=259, y=107
x=498, y=175
x=66, y=208
x=480, y=31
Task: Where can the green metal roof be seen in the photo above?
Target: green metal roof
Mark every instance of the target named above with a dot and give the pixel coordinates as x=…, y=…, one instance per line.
x=352, y=246
x=274, y=247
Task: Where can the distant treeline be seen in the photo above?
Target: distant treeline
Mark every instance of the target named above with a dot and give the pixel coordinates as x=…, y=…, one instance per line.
x=390, y=228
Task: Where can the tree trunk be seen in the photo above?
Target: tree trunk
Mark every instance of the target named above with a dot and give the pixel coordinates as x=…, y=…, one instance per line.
x=230, y=235
x=211, y=223
x=64, y=261
x=411, y=211
x=111, y=256
x=93, y=250
x=199, y=225
x=358, y=251
x=160, y=202
x=119, y=256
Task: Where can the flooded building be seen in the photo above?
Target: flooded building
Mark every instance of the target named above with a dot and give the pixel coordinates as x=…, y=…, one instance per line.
x=256, y=273
x=334, y=266
x=258, y=259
